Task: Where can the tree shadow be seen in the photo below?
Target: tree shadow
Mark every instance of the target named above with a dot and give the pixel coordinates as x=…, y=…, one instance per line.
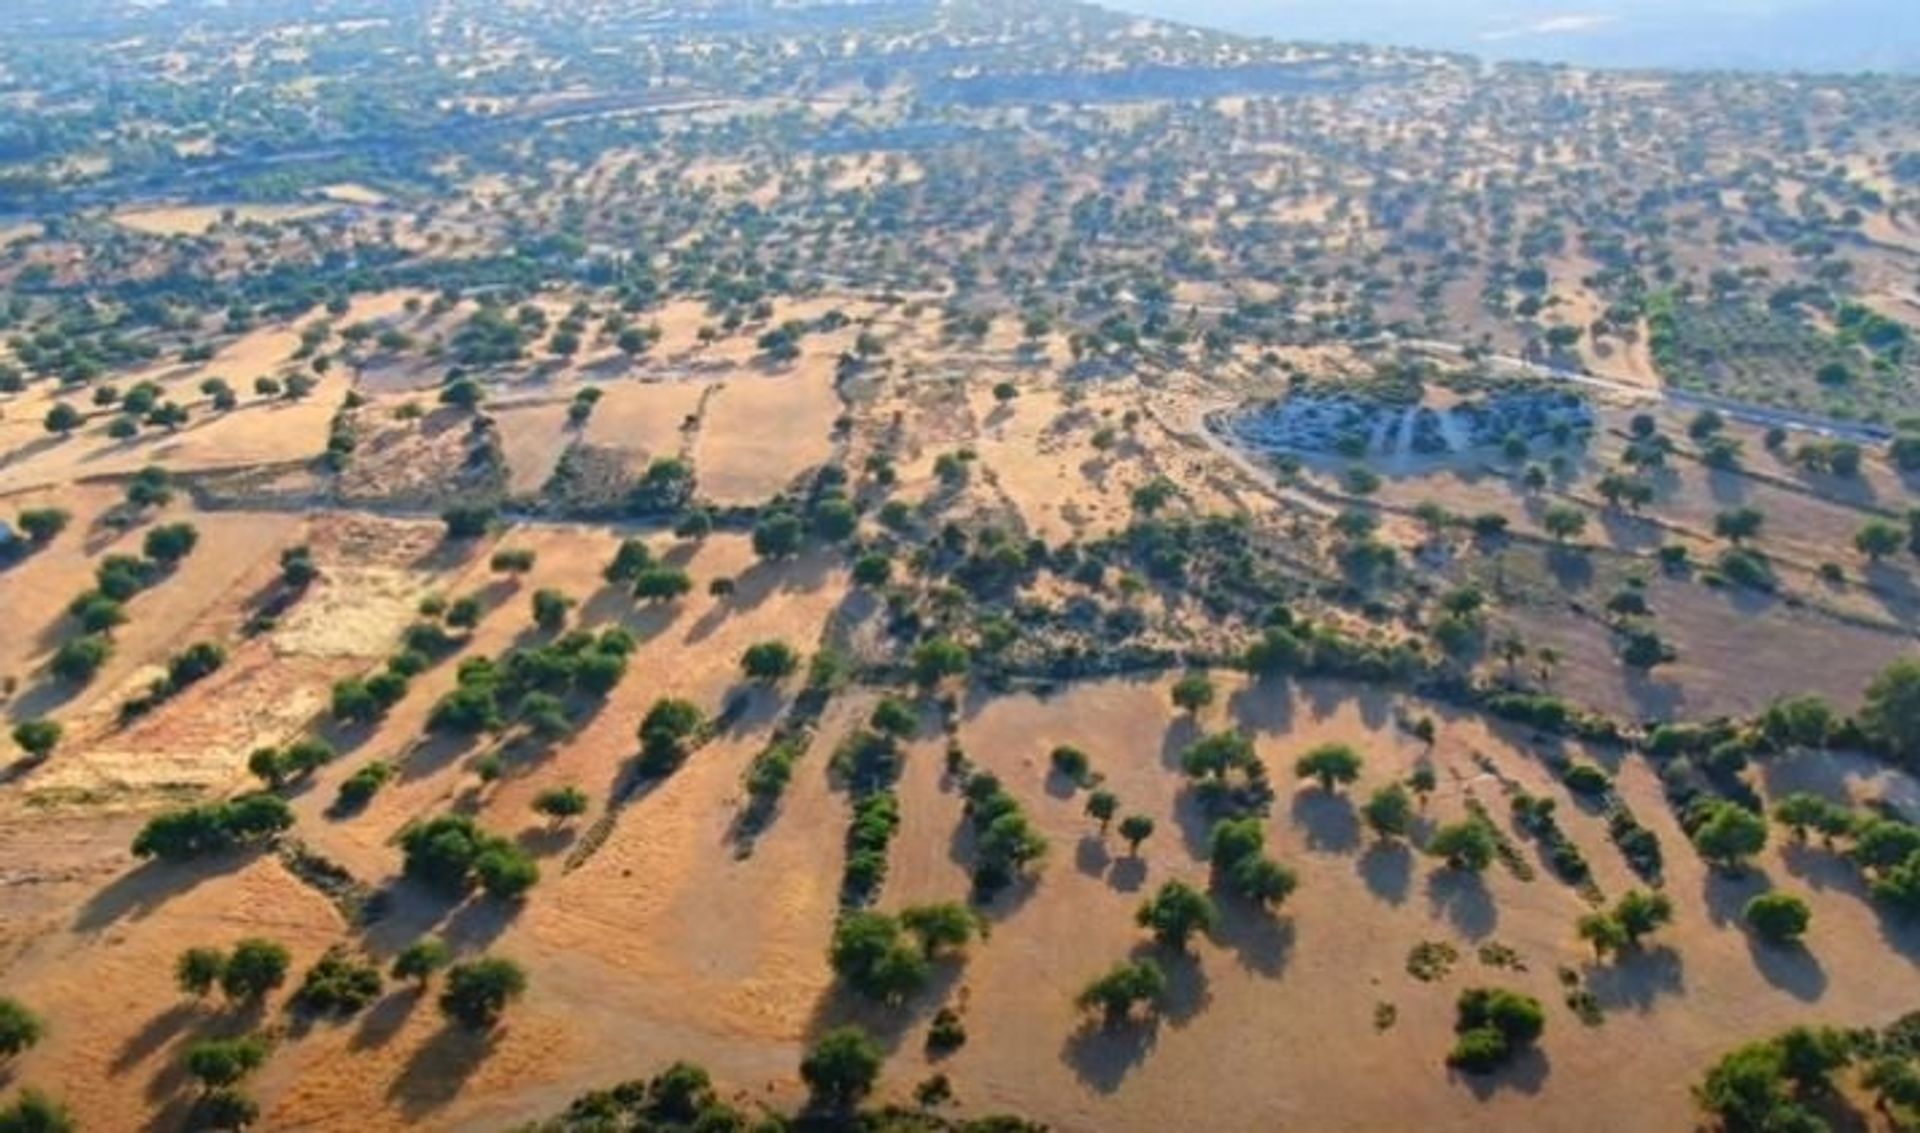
x=344, y=737
x=888, y=1024
x=475, y=925
x=533, y=636
x=759, y=582
x=1007, y=899
x=1091, y=856
x=167, y=1086
x=1101, y=1056
x=545, y=841
x=1726, y=895
x=1181, y=732
x=142, y=890
x=1729, y=487
x=1653, y=698
x=1637, y=978
x=1195, y=820
x=1525, y=1073
x=1263, y=706
x=1816, y=771
x=448, y=555
x=1387, y=869
x=176, y=1111
x=1129, y=874
x=433, y=753
x=1332, y=826
x=48, y=695
x=1789, y=967
x=25, y=452
x=1325, y=697
x=385, y=1019
x=1260, y=939
x=1571, y=567
x=1060, y=785
x=1900, y=931
x=18, y=769
x=650, y=620
x=409, y=910
x=1463, y=898
x=751, y=706
x=154, y=1034
x=439, y=1070
x=1821, y=868
x=610, y=603
x=1628, y=533
x=55, y=632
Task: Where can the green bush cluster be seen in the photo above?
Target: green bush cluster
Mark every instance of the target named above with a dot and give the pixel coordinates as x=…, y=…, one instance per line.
x=358, y=789
x=1228, y=776
x=1492, y=1026
x=1119, y=991
x=1535, y=815
x=211, y=828
x=888, y=958
x=452, y=854
x=98, y=611
x=526, y=685
x=679, y=1098
x=1006, y=842
x=1241, y=865
x=339, y=983
x=667, y=734
x=277, y=765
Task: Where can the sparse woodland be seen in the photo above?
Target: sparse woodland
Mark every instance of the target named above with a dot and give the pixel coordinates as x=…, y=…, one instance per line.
x=946, y=567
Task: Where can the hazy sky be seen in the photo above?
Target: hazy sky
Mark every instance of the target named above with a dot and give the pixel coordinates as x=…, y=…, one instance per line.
x=1779, y=34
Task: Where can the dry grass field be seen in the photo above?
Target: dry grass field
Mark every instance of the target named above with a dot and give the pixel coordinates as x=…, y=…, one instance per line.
x=655, y=500
x=660, y=939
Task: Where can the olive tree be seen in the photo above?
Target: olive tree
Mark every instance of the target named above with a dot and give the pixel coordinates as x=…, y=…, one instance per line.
x=478, y=991
x=1125, y=986
x=1778, y=918
x=1176, y=913
x=842, y=1067
x=1330, y=765
x=20, y=1028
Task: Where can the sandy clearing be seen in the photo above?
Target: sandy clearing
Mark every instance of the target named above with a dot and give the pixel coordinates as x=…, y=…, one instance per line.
x=690, y=648
x=1042, y=454
x=352, y=193
x=259, y=430
x=195, y=220
x=533, y=435
x=760, y=433
x=644, y=419
x=357, y=608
